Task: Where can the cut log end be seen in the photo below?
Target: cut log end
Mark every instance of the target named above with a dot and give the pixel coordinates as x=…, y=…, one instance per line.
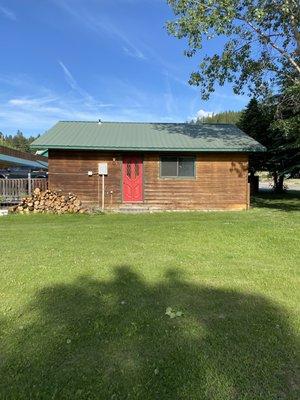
x=49, y=202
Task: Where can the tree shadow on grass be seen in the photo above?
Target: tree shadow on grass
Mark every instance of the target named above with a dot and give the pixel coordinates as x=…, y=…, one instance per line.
x=111, y=339
x=289, y=201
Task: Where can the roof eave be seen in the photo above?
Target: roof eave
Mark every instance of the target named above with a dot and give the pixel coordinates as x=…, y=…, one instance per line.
x=249, y=149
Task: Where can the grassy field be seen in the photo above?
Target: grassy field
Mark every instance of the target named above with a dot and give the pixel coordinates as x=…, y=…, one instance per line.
x=83, y=303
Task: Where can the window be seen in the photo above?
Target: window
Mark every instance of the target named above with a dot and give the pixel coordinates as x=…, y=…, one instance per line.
x=168, y=166
x=177, y=167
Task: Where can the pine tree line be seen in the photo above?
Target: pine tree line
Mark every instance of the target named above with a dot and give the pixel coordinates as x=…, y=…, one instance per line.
x=225, y=117
x=17, y=141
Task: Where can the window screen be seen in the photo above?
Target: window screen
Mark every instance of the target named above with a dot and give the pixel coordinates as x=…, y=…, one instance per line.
x=185, y=166
x=169, y=166
x=177, y=166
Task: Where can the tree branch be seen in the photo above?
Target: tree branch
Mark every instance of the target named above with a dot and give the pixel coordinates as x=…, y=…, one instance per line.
x=274, y=45
x=296, y=32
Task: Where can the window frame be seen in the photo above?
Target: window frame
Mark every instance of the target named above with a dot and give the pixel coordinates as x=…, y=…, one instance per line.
x=192, y=158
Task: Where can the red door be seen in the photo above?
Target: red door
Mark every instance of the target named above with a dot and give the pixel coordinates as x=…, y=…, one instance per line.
x=132, y=179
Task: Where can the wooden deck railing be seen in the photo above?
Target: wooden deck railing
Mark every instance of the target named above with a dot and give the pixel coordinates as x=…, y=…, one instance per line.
x=12, y=190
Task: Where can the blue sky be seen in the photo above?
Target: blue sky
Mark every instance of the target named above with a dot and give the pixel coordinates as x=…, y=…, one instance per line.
x=91, y=59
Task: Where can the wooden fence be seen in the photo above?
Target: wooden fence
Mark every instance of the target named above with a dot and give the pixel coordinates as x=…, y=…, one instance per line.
x=12, y=190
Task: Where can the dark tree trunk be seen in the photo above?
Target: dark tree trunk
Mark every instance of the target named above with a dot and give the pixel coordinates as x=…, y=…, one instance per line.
x=254, y=183
x=278, y=183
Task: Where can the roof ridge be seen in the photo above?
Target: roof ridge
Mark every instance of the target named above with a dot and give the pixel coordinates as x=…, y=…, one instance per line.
x=78, y=121
x=147, y=123
x=116, y=122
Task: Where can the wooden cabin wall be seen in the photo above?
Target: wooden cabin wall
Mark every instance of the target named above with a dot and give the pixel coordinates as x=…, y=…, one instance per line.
x=221, y=180
x=68, y=171
x=220, y=183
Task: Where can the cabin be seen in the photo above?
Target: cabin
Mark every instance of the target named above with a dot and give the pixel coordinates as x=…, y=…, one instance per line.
x=150, y=166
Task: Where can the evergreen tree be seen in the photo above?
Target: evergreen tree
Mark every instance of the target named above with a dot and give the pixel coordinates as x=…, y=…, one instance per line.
x=17, y=141
x=225, y=117
x=255, y=121
x=20, y=142
x=259, y=121
x=2, y=139
x=285, y=131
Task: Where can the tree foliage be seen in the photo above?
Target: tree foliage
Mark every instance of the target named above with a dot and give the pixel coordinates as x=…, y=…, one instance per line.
x=255, y=121
x=225, y=117
x=259, y=120
x=17, y=141
x=261, y=42
x=287, y=117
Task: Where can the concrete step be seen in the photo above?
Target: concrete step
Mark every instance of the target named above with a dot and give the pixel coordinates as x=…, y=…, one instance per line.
x=133, y=209
x=3, y=212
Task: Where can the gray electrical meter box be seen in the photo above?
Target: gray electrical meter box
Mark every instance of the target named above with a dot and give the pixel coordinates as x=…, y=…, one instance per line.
x=102, y=168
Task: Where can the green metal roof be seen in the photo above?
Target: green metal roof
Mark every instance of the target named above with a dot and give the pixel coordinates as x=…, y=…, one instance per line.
x=22, y=161
x=128, y=136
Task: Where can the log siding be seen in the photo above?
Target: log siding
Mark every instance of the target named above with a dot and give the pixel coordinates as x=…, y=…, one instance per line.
x=220, y=182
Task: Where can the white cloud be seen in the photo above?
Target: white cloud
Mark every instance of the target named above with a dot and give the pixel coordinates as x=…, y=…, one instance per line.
x=170, y=99
x=135, y=54
x=136, y=48
x=128, y=46
x=73, y=84
x=38, y=105
x=19, y=102
x=98, y=24
x=24, y=102
x=8, y=13
x=41, y=107
x=203, y=114
x=77, y=88
x=37, y=114
x=28, y=105
x=35, y=108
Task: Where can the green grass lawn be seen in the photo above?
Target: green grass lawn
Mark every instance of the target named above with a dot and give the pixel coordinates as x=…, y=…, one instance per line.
x=83, y=304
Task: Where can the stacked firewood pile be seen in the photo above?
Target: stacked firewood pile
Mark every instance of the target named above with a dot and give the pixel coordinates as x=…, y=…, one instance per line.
x=48, y=202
